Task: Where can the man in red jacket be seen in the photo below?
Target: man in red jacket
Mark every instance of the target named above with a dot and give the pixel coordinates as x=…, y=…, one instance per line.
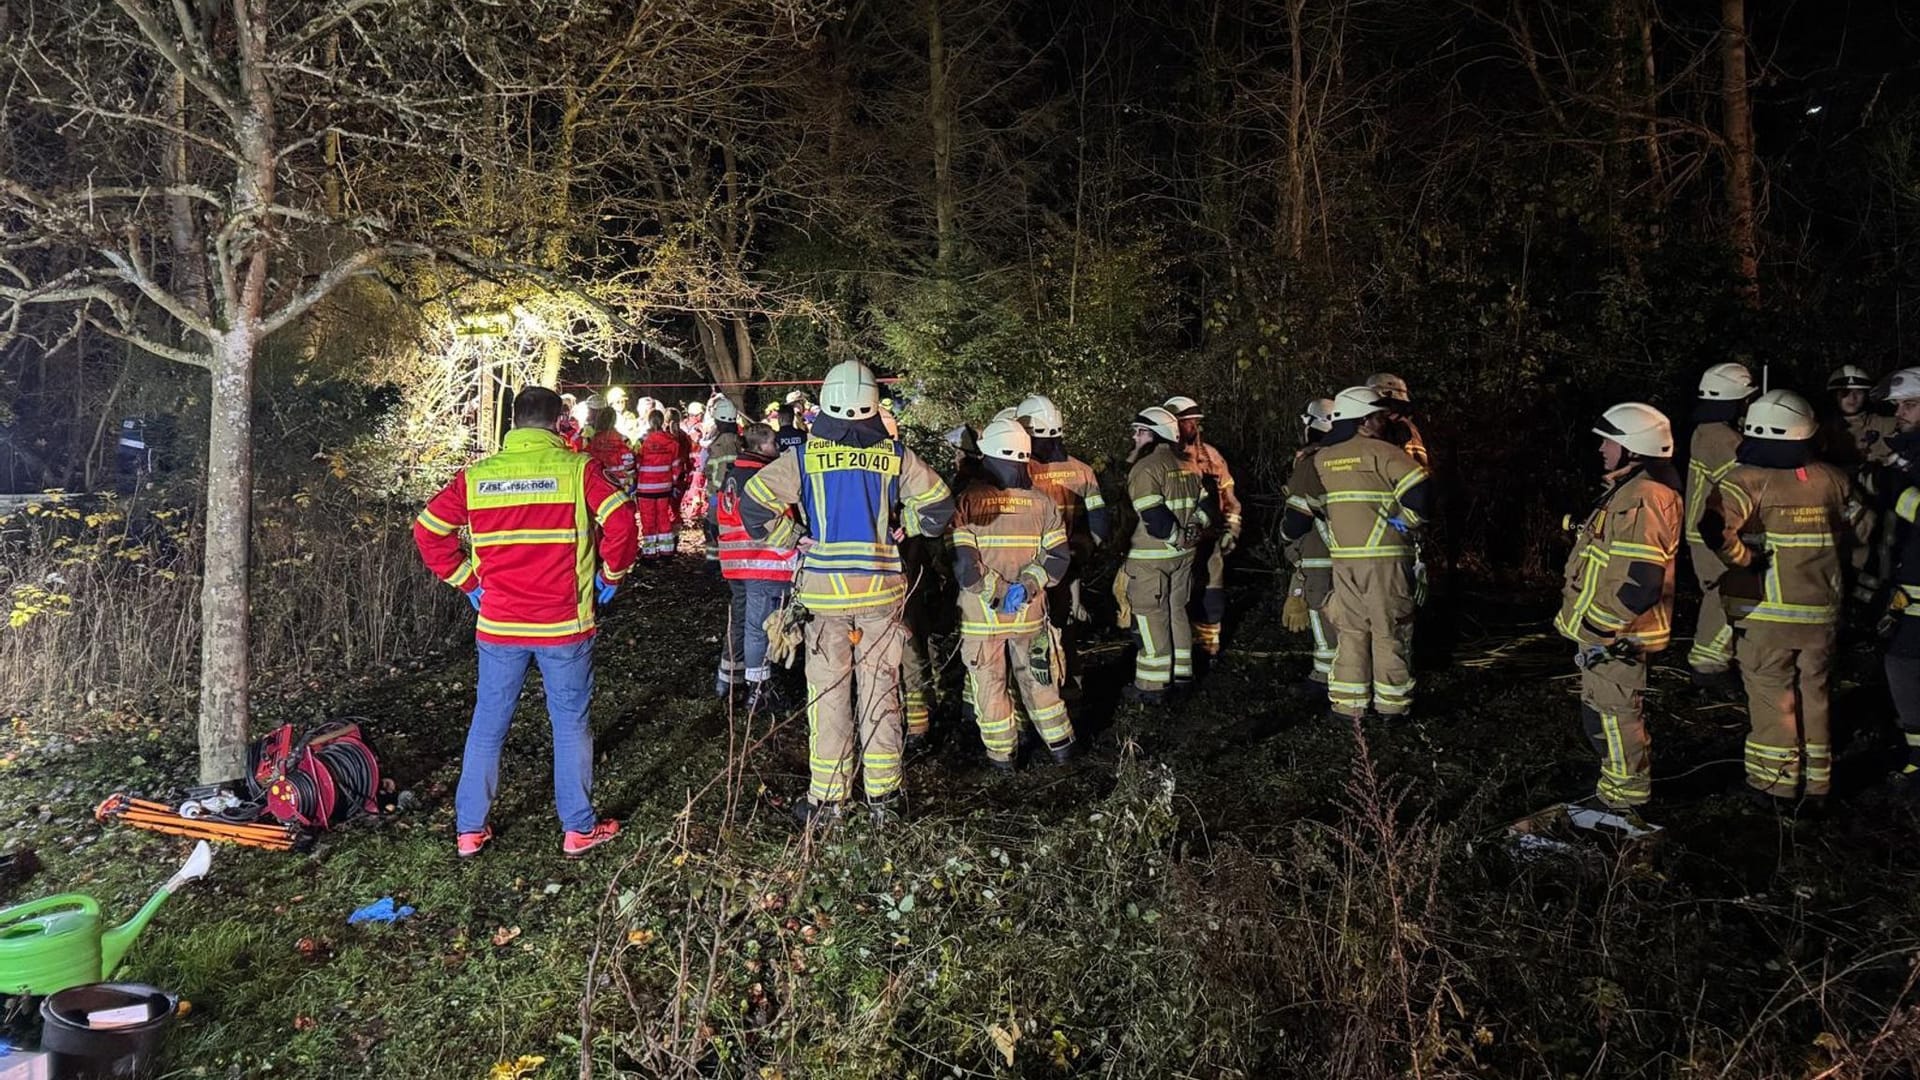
x=659, y=468
x=536, y=515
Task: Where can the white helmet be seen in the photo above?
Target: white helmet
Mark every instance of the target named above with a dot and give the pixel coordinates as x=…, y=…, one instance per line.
x=1042, y=416
x=849, y=391
x=1780, y=414
x=800, y=396
x=1356, y=402
x=724, y=412
x=1388, y=385
x=1184, y=407
x=1318, y=415
x=1006, y=440
x=1157, y=419
x=1849, y=377
x=1727, y=382
x=1640, y=428
x=1902, y=385
x=694, y=408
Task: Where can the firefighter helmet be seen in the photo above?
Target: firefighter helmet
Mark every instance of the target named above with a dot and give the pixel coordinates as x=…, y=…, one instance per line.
x=1640, y=428
x=1157, y=419
x=723, y=411
x=694, y=408
x=1902, y=385
x=1726, y=382
x=1357, y=402
x=1184, y=407
x=1042, y=416
x=1388, y=385
x=849, y=391
x=964, y=440
x=1006, y=440
x=1849, y=377
x=799, y=397
x=1318, y=415
x=1782, y=415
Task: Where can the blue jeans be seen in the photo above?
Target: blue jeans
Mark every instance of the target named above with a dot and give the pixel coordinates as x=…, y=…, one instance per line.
x=567, y=671
x=743, y=653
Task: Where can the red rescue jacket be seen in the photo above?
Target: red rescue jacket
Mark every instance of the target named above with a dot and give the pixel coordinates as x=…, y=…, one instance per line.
x=659, y=464
x=611, y=451
x=536, y=514
x=742, y=558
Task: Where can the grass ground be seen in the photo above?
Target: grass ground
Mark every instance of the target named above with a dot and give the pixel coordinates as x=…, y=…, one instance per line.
x=1232, y=887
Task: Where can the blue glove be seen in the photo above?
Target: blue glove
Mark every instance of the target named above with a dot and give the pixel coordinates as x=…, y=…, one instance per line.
x=1588, y=657
x=473, y=597
x=381, y=910
x=1400, y=524
x=602, y=590
x=1016, y=597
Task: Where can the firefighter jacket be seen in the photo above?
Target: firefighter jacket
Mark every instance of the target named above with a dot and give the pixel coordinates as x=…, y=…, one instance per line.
x=536, y=515
x=742, y=558
x=722, y=451
x=1405, y=434
x=1709, y=456
x=611, y=452
x=1171, y=501
x=1312, y=559
x=1906, y=561
x=1074, y=488
x=1202, y=458
x=1370, y=493
x=1619, y=579
x=659, y=464
x=1850, y=441
x=1781, y=531
x=1004, y=535
x=849, y=481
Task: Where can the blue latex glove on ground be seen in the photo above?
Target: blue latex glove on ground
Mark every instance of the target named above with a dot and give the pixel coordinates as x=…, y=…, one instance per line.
x=1016, y=598
x=474, y=596
x=381, y=910
x=603, y=591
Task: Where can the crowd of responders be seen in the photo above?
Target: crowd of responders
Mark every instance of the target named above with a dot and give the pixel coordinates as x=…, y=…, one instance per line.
x=831, y=534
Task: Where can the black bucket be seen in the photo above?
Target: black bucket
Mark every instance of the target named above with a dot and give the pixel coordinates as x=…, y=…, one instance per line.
x=81, y=1052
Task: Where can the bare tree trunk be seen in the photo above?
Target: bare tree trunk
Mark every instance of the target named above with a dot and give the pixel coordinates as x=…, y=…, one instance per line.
x=1296, y=230
x=940, y=123
x=742, y=349
x=1650, y=137
x=1737, y=118
x=189, y=268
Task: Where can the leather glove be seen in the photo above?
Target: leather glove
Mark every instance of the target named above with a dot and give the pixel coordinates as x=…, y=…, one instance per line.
x=1296, y=616
x=1419, y=583
x=474, y=594
x=603, y=590
x=1015, y=599
x=1588, y=657
x=1229, y=541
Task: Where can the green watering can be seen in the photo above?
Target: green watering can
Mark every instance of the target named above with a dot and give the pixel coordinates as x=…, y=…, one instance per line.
x=51, y=944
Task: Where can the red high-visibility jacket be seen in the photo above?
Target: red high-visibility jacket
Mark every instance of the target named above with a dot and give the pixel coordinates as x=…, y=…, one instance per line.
x=742, y=558
x=536, y=514
x=611, y=451
x=659, y=464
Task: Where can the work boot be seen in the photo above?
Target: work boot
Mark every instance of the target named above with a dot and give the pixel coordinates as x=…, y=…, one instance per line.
x=886, y=810
x=809, y=814
x=1132, y=692
x=1065, y=752
x=576, y=844
x=1003, y=765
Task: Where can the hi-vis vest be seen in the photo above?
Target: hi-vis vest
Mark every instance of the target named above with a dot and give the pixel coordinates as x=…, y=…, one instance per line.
x=1798, y=517
x=1637, y=521
x=742, y=558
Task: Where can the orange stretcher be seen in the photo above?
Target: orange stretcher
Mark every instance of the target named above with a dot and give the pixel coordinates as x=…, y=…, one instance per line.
x=161, y=818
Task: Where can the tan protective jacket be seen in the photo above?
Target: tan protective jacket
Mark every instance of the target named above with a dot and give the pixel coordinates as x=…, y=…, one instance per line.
x=1161, y=478
x=1015, y=535
x=1709, y=456
x=1073, y=488
x=1312, y=561
x=1355, y=486
x=1801, y=519
x=1202, y=458
x=1636, y=522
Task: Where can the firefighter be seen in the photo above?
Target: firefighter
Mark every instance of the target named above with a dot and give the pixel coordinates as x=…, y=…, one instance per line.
x=1617, y=602
x=1074, y=488
x=570, y=425
x=1372, y=496
x=1779, y=520
x=1010, y=547
x=550, y=537
x=1901, y=473
x=1312, y=582
x=610, y=450
x=1401, y=431
x=1174, y=508
x=1856, y=434
x=758, y=573
x=1723, y=393
x=848, y=481
x=1215, y=543
x=658, y=471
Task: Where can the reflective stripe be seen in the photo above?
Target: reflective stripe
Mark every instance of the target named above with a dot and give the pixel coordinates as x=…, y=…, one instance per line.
x=434, y=525
x=1907, y=506
x=526, y=536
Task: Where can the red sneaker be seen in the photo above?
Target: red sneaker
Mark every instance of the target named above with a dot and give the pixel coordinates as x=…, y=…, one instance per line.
x=577, y=844
x=470, y=843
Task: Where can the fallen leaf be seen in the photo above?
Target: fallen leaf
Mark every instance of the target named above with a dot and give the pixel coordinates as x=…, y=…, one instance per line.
x=1004, y=1038
x=305, y=1023
x=640, y=938
x=523, y=1066
x=505, y=935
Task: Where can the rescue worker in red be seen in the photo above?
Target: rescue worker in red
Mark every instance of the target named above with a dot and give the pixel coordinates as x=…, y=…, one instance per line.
x=570, y=428
x=549, y=536
x=1215, y=543
x=658, y=468
x=759, y=574
x=609, y=449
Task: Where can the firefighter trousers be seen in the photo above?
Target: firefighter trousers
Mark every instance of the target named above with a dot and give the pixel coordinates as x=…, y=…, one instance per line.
x=1788, y=749
x=1325, y=639
x=1372, y=612
x=1612, y=711
x=1158, y=591
x=853, y=707
x=1209, y=608
x=1712, y=651
x=995, y=665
